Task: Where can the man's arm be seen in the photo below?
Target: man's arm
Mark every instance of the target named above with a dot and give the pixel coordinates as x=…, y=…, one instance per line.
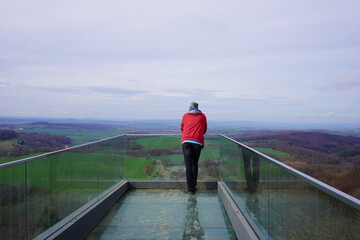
x=205, y=129
x=182, y=124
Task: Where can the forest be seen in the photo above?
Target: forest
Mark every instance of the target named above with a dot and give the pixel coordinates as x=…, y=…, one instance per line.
x=13, y=144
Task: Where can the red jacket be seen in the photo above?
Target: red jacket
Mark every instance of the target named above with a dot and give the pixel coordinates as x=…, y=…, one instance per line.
x=193, y=127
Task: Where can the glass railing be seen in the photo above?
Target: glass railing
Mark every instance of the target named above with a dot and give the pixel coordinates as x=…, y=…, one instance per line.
x=282, y=203
x=279, y=202
x=38, y=192
x=161, y=157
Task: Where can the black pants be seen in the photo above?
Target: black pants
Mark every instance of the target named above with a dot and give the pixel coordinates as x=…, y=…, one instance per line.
x=191, y=157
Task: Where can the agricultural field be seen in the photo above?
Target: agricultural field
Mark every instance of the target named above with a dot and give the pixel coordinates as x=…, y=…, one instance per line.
x=78, y=136
x=67, y=167
x=160, y=142
x=165, y=157
x=135, y=168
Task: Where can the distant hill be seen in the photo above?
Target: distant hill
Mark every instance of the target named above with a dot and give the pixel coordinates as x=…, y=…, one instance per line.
x=160, y=124
x=48, y=125
x=13, y=144
x=322, y=142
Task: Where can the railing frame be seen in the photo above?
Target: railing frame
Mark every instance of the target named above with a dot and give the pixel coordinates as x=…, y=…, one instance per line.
x=352, y=201
x=343, y=197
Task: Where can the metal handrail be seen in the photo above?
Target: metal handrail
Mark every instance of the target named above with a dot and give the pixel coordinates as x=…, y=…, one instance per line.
x=29, y=159
x=343, y=197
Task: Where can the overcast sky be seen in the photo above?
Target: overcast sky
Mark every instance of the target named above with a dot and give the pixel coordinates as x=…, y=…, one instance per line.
x=276, y=61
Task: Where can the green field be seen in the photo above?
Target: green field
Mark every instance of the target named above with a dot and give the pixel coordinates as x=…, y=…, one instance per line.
x=209, y=152
x=205, y=155
x=176, y=159
x=134, y=167
x=78, y=136
x=160, y=142
x=107, y=161
x=71, y=168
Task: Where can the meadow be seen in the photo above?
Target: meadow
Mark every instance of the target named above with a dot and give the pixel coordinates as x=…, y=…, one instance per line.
x=160, y=142
x=75, y=163
x=78, y=136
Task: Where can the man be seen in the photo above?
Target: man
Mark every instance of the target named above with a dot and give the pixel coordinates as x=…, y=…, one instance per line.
x=193, y=127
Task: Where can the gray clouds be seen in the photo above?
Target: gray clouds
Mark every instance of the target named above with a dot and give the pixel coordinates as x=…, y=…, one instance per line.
x=241, y=60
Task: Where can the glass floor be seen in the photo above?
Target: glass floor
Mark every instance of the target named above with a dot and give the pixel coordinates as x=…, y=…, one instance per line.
x=165, y=214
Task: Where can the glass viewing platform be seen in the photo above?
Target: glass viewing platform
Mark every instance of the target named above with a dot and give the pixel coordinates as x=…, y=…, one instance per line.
x=132, y=187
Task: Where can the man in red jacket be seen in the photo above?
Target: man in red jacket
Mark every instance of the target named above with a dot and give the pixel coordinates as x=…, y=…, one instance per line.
x=193, y=127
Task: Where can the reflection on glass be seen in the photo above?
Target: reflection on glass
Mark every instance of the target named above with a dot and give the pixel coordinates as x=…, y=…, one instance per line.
x=192, y=229
x=252, y=202
x=251, y=169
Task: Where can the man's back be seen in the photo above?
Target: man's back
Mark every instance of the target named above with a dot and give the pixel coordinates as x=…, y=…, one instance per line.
x=193, y=127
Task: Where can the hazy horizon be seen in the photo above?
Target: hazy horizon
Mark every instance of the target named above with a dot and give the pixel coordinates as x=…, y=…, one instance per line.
x=266, y=61
x=212, y=124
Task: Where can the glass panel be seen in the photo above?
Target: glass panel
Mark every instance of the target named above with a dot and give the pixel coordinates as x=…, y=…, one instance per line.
x=154, y=157
x=58, y=185
x=37, y=194
x=12, y=202
x=209, y=163
x=280, y=205
x=161, y=157
x=275, y=201
x=111, y=163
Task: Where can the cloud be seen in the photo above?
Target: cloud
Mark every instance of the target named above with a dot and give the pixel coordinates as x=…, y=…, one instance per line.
x=243, y=60
x=329, y=114
x=116, y=91
x=172, y=94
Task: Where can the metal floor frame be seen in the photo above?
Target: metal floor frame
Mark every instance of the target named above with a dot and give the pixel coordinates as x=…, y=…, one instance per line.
x=79, y=224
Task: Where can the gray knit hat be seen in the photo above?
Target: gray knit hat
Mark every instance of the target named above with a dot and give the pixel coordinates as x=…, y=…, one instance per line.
x=194, y=105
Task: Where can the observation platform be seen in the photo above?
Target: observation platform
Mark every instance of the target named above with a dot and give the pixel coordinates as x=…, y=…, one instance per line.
x=165, y=214
x=132, y=187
